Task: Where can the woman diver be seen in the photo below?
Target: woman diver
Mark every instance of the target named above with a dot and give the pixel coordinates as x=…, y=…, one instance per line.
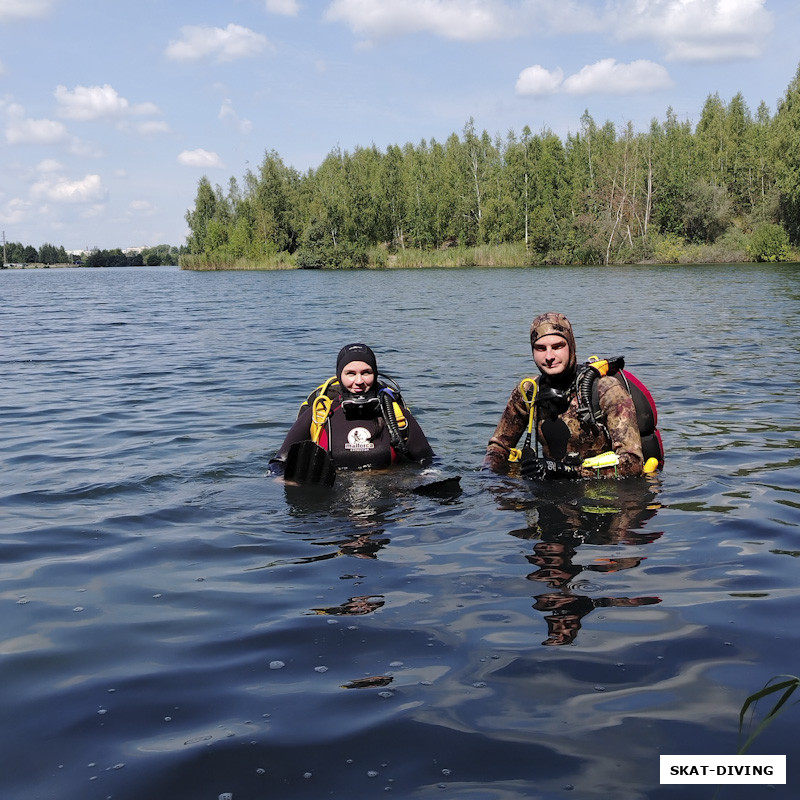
x=357, y=418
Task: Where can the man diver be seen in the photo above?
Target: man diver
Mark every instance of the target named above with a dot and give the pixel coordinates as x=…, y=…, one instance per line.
x=573, y=444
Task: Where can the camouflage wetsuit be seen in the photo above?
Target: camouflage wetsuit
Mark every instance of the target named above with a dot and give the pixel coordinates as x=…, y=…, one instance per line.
x=561, y=435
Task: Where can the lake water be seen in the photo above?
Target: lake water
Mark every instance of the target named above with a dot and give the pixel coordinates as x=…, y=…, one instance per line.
x=177, y=626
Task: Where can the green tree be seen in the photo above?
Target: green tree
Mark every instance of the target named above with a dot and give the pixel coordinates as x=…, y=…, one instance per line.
x=198, y=219
x=394, y=196
x=785, y=152
x=672, y=147
x=769, y=242
x=269, y=215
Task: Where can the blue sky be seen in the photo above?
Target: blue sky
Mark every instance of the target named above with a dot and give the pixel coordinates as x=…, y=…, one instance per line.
x=111, y=111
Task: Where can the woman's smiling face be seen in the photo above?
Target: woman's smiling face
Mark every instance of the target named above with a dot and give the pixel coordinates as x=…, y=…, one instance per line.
x=358, y=377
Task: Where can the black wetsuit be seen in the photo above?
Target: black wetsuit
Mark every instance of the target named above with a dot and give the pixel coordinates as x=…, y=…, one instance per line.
x=359, y=441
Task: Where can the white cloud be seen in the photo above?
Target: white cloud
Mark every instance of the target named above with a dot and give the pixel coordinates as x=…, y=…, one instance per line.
x=23, y=130
x=565, y=16
x=152, y=128
x=603, y=77
x=610, y=77
x=288, y=8
x=141, y=208
x=228, y=113
x=538, y=80
x=83, y=149
x=200, y=158
x=15, y=211
x=49, y=165
x=697, y=30
x=25, y=9
x=97, y=102
x=60, y=190
x=683, y=29
x=466, y=20
x=225, y=44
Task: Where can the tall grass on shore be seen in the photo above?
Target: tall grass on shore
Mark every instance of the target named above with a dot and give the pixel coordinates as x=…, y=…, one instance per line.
x=734, y=247
x=204, y=263
x=504, y=255
x=500, y=255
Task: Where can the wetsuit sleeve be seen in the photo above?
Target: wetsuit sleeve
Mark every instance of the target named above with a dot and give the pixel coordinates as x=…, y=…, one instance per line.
x=417, y=444
x=299, y=432
x=619, y=415
x=511, y=426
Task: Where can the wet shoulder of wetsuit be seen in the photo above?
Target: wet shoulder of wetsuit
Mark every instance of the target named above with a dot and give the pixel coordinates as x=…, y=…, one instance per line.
x=512, y=425
x=417, y=446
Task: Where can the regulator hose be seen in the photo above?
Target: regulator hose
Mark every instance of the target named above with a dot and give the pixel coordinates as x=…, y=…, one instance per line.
x=583, y=388
x=393, y=425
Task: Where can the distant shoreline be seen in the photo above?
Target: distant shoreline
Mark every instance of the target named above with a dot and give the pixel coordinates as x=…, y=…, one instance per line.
x=466, y=257
x=60, y=266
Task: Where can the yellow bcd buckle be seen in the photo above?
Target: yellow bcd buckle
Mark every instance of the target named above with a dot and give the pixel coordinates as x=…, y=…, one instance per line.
x=609, y=459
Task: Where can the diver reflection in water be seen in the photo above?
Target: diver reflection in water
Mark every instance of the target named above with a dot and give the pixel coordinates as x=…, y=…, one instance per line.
x=362, y=545
x=566, y=610
x=356, y=519
x=355, y=606
x=612, y=515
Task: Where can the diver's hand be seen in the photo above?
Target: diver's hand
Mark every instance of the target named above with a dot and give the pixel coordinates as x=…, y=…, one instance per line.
x=546, y=469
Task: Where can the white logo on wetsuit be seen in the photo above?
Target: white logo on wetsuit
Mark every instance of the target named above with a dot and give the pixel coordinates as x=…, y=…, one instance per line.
x=358, y=441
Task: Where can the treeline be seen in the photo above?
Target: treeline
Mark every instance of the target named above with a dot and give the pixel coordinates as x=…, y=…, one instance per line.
x=162, y=254
x=726, y=189
x=18, y=253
